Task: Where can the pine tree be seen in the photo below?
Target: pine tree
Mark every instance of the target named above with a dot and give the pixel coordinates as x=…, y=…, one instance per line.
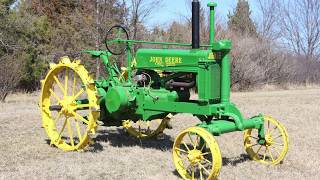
x=241, y=21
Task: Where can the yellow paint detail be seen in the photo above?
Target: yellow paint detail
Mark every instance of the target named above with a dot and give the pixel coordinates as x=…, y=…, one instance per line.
x=167, y=61
x=159, y=72
x=276, y=146
x=211, y=56
x=124, y=71
x=134, y=64
x=146, y=129
x=157, y=61
x=173, y=61
x=75, y=129
x=196, y=153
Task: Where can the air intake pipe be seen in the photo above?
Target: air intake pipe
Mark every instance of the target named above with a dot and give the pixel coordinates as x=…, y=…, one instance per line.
x=195, y=24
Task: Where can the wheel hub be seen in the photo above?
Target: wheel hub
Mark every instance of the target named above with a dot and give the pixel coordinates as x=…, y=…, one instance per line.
x=195, y=156
x=68, y=105
x=269, y=139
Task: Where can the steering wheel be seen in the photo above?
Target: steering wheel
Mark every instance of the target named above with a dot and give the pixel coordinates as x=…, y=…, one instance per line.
x=114, y=40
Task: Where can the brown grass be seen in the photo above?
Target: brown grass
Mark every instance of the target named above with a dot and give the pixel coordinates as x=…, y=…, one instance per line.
x=25, y=153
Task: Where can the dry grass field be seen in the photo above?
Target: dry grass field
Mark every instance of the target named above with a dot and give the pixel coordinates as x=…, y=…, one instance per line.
x=25, y=153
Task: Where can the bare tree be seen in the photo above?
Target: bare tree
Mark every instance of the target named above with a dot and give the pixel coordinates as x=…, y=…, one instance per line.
x=300, y=27
x=10, y=75
x=269, y=10
x=140, y=10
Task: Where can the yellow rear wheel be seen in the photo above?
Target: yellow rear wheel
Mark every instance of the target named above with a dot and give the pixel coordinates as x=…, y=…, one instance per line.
x=146, y=129
x=276, y=143
x=69, y=105
x=196, y=154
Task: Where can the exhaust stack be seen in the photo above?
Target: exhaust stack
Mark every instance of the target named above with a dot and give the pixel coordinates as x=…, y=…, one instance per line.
x=195, y=24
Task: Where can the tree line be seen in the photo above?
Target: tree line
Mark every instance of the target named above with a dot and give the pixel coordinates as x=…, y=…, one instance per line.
x=282, y=48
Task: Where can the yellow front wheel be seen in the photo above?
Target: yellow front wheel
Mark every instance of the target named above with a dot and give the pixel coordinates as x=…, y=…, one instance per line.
x=196, y=154
x=68, y=105
x=146, y=129
x=276, y=143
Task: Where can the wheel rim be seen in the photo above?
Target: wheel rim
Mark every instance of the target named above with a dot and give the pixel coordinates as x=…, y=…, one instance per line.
x=146, y=129
x=68, y=123
x=196, y=154
x=276, y=143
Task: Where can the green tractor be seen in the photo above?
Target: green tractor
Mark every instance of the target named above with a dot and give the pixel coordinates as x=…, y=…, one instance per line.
x=144, y=96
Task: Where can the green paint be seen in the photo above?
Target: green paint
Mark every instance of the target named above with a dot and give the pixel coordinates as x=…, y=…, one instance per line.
x=212, y=5
x=207, y=68
x=225, y=79
x=174, y=60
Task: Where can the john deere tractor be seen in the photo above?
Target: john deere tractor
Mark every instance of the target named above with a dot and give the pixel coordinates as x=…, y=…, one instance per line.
x=155, y=85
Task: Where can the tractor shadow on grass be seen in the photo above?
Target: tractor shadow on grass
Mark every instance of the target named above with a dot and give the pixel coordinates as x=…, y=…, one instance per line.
x=234, y=161
x=120, y=138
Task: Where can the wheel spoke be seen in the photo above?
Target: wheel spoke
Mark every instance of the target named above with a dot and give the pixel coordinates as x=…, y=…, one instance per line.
x=278, y=136
x=78, y=129
x=74, y=84
x=264, y=155
x=78, y=116
x=70, y=132
x=189, y=135
x=258, y=150
x=119, y=34
x=185, y=145
x=196, y=143
x=59, y=84
x=181, y=150
x=270, y=154
x=78, y=94
x=63, y=127
x=276, y=127
x=278, y=144
x=204, y=144
x=66, y=82
x=200, y=170
x=204, y=168
x=203, y=154
x=57, y=118
x=54, y=95
x=193, y=170
x=276, y=150
x=208, y=161
x=268, y=127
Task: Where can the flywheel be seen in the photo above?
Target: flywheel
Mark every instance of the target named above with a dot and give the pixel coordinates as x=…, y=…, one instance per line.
x=68, y=105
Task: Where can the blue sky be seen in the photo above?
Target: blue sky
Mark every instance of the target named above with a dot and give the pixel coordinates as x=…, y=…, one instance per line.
x=175, y=9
